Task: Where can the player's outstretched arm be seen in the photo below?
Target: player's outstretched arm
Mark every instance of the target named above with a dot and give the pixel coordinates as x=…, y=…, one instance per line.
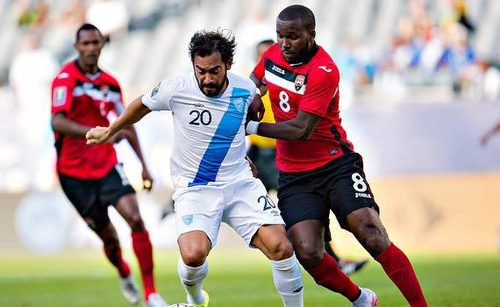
x=132, y=114
x=299, y=128
x=68, y=127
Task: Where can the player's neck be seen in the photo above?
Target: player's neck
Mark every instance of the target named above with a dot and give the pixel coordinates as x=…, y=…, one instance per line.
x=88, y=69
x=306, y=57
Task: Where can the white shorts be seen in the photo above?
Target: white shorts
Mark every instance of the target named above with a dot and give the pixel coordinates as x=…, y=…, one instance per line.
x=243, y=205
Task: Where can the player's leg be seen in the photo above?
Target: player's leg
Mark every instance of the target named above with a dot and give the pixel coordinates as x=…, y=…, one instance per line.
x=198, y=216
x=257, y=220
x=307, y=238
x=114, y=189
x=192, y=267
x=366, y=226
x=287, y=277
x=84, y=195
x=353, y=203
x=113, y=251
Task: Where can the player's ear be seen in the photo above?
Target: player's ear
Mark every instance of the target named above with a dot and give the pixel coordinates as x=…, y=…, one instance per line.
x=312, y=33
x=229, y=63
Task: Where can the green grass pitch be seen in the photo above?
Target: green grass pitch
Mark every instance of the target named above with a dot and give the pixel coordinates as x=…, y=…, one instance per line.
x=237, y=277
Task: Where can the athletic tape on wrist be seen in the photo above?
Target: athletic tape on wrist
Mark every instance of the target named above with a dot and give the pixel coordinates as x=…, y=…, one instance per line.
x=252, y=127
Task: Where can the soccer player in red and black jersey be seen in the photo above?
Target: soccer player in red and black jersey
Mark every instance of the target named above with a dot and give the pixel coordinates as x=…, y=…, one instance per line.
x=84, y=96
x=319, y=170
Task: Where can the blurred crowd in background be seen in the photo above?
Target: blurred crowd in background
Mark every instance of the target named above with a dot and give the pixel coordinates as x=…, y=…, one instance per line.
x=388, y=51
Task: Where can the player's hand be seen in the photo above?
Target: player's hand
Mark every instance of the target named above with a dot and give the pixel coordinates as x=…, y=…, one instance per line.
x=256, y=109
x=253, y=167
x=97, y=135
x=147, y=179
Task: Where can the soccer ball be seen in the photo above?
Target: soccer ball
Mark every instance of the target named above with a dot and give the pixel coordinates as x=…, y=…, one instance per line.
x=181, y=305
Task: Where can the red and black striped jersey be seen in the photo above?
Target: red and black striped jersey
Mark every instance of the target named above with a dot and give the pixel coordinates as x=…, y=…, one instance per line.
x=86, y=99
x=312, y=87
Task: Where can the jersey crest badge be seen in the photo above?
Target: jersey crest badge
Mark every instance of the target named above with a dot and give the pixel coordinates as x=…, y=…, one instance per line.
x=187, y=219
x=239, y=103
x=59, y=96
x=299, y=82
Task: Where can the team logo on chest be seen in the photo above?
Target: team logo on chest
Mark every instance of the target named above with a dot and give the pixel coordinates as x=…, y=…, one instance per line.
x=239, y=103
x=299, y=82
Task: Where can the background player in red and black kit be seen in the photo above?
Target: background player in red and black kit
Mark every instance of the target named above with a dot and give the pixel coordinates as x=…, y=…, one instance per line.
x=90, y=176
x=319, y=170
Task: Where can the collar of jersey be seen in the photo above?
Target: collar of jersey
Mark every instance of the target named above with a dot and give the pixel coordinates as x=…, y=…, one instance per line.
x=86, y=74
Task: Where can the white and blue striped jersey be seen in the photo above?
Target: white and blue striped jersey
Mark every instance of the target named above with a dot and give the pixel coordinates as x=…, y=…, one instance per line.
x=209, y=132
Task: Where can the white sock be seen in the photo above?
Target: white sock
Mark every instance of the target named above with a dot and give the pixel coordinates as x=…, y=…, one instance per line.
x=288, y=281
x=192, y=280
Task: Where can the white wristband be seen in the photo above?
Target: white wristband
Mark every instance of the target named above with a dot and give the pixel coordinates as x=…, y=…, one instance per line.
x=257, y=91
x=252, y=127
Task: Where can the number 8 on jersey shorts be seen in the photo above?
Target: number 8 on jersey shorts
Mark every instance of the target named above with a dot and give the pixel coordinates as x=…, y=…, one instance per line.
x=339, y=186
x=243, y=205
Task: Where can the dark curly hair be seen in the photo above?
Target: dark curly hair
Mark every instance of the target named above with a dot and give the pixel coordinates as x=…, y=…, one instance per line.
x=204, y=43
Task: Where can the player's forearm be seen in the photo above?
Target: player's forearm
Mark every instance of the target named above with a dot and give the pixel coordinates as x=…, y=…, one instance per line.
x=288, y=130
x=68, y=127
x=261, y=86
x=134, y=112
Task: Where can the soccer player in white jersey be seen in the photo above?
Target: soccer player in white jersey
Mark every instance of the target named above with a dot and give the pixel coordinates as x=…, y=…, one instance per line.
x=213, y=181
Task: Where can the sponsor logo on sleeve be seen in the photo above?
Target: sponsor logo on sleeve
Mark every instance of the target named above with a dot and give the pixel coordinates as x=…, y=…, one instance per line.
x=59, y=97
x=325, y=68
x=63, y=75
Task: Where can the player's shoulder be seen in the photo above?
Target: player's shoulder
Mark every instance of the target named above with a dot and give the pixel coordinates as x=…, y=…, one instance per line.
x=323, y=66
x=273, y=51
x=179, y=82
x=109, y=77
x=67, y=74
x=177, y=85
x=240, y=81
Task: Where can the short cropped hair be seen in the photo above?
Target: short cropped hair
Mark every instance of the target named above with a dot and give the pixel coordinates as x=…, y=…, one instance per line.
x=266, y=42
x=297, y=11
x=84, y=27
x=204, y=43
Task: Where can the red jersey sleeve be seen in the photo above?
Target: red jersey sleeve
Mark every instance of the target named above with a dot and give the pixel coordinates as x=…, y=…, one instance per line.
x=62, y=93
x=322, y=85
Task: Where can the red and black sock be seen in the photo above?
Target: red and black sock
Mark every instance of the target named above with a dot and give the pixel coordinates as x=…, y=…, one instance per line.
x=144, y=253
x=399, y=269
x=328, y=274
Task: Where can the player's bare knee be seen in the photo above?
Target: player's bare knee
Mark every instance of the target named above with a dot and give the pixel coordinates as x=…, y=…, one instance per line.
x=193, y=257
x=281, y=250
x=308, y=255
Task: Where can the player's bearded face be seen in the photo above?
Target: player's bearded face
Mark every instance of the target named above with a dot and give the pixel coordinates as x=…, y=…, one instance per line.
x=89, y=45
x=294, y=39
x=211, y=73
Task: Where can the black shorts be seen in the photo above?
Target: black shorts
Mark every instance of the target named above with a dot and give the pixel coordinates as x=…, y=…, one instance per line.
x=339, y=186
x=91, y=198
